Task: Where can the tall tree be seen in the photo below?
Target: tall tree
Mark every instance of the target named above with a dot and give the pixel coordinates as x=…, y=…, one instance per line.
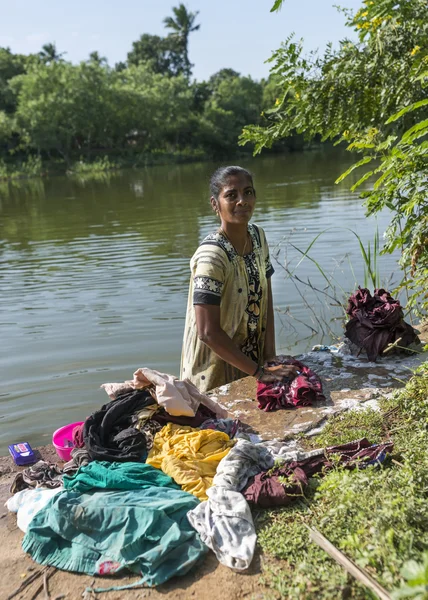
x=182, y=24
x=50, y=54
x=161, y=55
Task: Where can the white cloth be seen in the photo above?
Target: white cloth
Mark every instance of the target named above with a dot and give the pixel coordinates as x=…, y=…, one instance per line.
x=224, y=521
x=226, y=525
x=28, y=502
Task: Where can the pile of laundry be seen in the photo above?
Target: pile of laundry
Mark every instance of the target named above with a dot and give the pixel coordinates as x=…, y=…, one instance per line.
x=376, y=322
x=157, y=476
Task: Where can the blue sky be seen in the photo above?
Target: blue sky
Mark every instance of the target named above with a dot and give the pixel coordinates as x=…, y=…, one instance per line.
x=240, y=34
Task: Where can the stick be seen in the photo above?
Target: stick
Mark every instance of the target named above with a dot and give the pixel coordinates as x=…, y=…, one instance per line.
x=25, y=583
x=45, y=586
x=349, y=566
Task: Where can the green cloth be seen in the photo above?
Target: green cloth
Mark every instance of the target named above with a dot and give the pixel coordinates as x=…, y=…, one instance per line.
x=102, y=532
x=117, y=476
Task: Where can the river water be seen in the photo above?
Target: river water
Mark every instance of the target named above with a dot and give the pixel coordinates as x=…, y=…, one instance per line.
x=94, y=275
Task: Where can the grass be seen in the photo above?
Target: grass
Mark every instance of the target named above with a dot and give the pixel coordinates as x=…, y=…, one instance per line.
x=377, y=516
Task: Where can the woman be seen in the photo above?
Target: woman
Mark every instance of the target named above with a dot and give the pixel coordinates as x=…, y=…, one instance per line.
x=229, y=331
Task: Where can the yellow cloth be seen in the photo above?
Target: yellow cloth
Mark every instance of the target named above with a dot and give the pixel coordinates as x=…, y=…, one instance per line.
x=190, y=456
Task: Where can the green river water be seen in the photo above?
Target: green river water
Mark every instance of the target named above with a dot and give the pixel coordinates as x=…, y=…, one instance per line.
x=94, y=275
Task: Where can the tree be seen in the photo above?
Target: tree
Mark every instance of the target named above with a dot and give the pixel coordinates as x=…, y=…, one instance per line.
x=182, y=25
x=96, y=58
x=162, y=55
x=371, y=94
x=49, y=53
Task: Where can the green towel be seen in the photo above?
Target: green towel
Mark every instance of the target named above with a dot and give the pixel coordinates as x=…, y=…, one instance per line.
x=101, y=532
x=117, y=476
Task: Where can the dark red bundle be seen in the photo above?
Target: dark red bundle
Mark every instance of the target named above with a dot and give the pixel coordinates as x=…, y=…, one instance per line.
x=281, y=485
x=377, y=321
x=304, y=390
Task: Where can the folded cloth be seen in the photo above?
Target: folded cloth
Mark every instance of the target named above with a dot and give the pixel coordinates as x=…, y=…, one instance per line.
x=190, y=456
x=104, y=532
x=303, y=390
x=377, y=321
x=281, y=485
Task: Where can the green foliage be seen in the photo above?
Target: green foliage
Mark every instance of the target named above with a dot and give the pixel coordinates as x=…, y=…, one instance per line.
x=377, y=516
x=416, y=576
x=372, y=95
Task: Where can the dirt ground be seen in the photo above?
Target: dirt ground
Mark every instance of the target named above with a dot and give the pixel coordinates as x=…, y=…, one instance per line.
x=347, y=382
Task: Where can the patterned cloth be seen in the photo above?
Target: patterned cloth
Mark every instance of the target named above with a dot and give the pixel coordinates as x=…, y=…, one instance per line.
x=224, y=521
x=42, y=474
x=239, y=286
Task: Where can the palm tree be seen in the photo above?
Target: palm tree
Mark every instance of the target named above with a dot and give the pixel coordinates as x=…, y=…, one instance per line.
x=49, y=53
x=182, y=25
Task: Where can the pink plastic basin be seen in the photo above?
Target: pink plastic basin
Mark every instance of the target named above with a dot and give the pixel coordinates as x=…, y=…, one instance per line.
x=62, y=439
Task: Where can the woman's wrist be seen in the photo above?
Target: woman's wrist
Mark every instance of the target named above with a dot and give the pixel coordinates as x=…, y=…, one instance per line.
x=259, y=372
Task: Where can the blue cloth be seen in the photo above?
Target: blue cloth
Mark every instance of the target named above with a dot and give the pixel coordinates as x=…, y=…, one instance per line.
x=102, y=532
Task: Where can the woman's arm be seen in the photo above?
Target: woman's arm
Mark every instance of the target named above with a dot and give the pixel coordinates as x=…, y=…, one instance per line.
x=211, y=333
x=269, y=349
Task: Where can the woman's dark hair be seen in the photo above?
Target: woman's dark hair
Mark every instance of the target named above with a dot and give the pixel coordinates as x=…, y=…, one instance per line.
x=220, y=176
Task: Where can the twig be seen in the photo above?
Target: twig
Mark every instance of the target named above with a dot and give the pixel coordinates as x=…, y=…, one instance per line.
x=360, y=574
x=45, y=586
x=26, y=583
x=396, y=462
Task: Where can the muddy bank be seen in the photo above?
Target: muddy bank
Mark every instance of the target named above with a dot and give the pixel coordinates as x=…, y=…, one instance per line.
x=349, y=383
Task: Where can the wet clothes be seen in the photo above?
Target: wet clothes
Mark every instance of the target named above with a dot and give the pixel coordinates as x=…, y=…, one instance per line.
x=202, y=414
x=108, y=432
x=303, y=390
x=280, y=486
x=41, y=474
x=105, y=532
x=117, y=476
x=189, y=456
x=224, y=521
x=377, y=321
x=238, y=284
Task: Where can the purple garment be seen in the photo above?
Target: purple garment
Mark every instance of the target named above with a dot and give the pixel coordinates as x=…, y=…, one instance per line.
x=279, y=486
x=303, y=390
x=377, y=321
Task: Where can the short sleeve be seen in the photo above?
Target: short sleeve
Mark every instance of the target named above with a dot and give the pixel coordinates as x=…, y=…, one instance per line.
x=208, y=265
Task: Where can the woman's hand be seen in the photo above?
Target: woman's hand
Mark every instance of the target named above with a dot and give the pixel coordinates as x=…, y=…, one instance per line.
x=278, y=373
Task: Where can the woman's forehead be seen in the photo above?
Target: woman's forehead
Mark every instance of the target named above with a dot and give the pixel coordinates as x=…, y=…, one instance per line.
x=240, y=180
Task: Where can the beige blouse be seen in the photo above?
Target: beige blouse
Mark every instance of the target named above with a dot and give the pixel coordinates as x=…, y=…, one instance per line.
x=238, y=284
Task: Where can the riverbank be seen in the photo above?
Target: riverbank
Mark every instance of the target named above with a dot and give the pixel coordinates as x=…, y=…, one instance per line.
x=360, y=400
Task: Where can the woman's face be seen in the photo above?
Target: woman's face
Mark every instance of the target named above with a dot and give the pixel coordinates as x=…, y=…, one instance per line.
x=236, y=200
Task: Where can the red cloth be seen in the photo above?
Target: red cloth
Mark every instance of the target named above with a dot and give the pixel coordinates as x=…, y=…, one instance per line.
x=281, y=485
x=77, y=437
x=303, y=390
x=376, y=321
